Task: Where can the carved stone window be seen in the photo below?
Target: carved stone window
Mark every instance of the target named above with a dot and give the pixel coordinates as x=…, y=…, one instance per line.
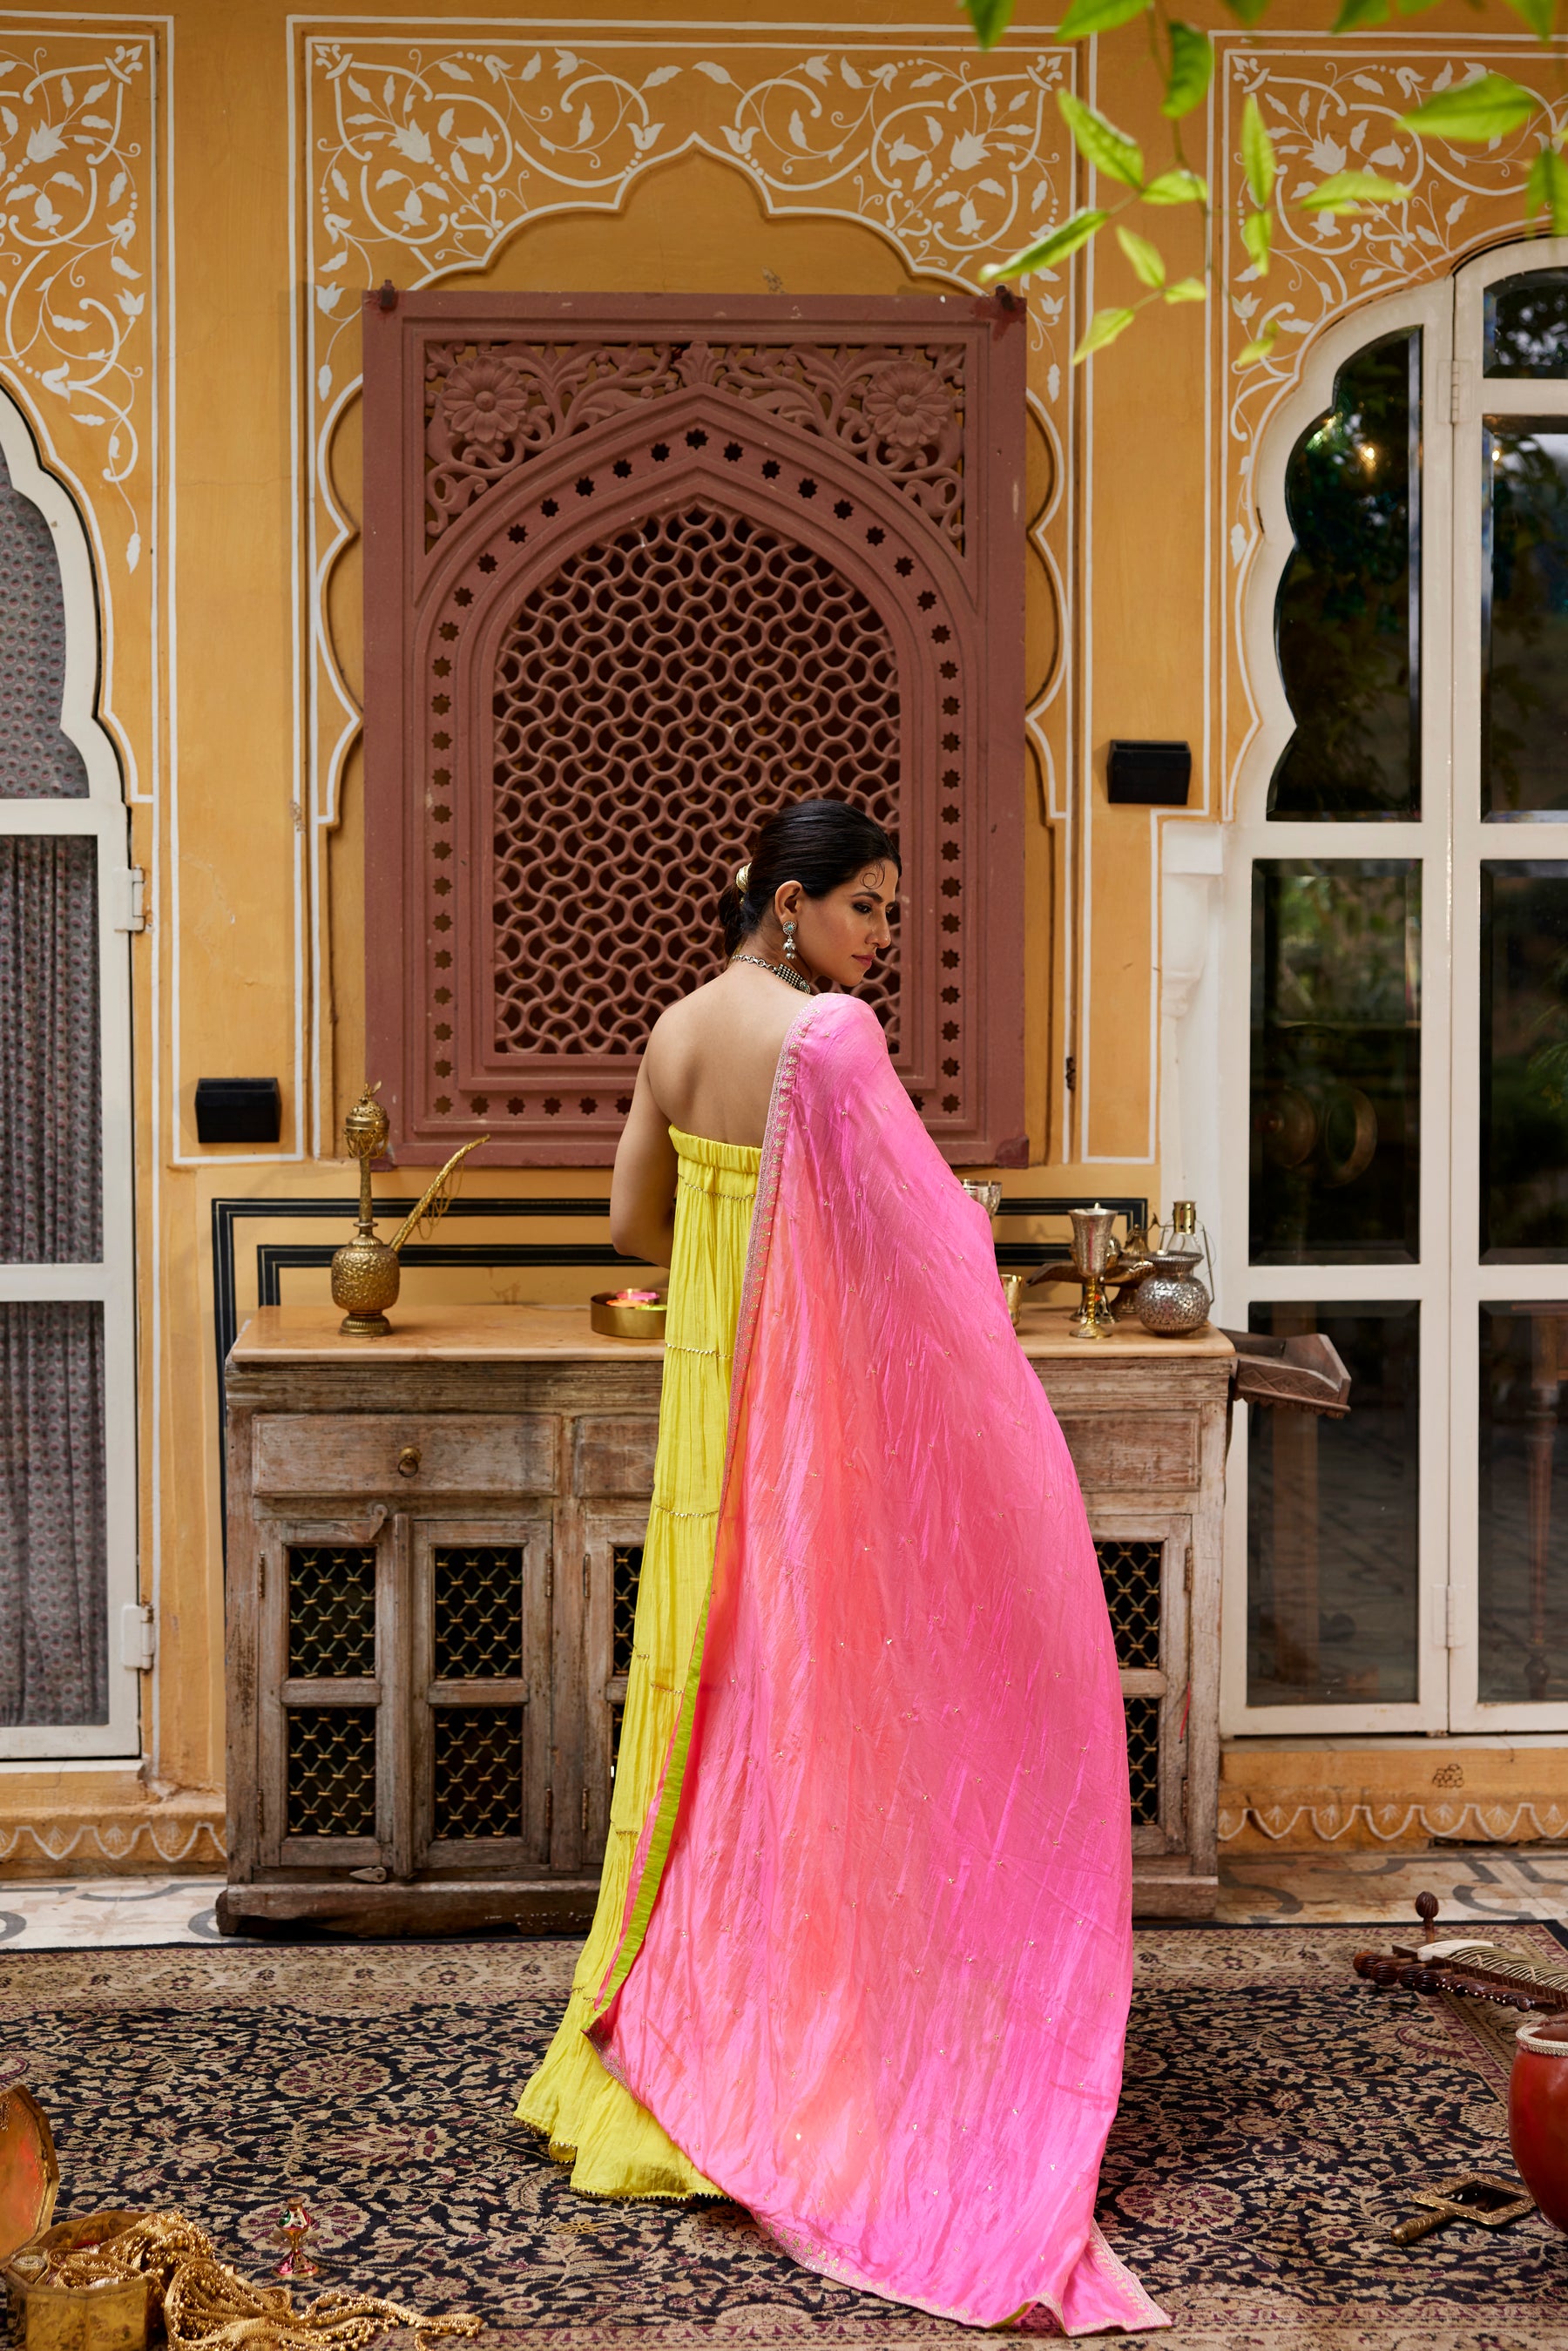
x=638, y=572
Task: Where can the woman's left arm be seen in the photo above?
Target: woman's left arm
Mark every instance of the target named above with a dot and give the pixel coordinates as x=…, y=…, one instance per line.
x=643, y=1188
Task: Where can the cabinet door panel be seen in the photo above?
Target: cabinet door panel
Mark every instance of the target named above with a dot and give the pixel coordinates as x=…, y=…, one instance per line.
x=326, y=1781
x=479, y=1662
x=1144, y=1567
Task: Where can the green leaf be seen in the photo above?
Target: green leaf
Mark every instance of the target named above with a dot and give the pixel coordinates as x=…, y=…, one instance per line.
x=1487, y=108
x=1415, y=7
x=1054, y=247
x=1100, y=143
x=1248, y=11
x=1546, y=190
x=1149, y=263
x=1347, y=192
x=1256, y=236
x=1178, y=187
x=990, y=19
x=1192, y=69
x=1539, y=14
x=1354, y=15
x=1258, y=155
x=1104, y=328
x=1086, y=17
x=1188, y=289
x=1251, y=353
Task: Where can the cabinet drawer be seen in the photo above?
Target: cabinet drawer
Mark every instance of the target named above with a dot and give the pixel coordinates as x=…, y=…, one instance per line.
x=615, y=1457
x=1132, y=1451
x=409, y=1454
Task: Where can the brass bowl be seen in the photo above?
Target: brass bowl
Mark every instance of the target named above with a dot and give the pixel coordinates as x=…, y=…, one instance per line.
x=612, y=1322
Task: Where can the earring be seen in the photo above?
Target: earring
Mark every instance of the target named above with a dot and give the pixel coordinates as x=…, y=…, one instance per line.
x=790, y=953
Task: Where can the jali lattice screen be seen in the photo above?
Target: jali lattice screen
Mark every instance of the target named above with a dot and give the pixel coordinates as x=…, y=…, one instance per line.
x=637, y=572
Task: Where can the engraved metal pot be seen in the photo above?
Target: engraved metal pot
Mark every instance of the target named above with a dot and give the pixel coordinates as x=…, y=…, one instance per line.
x=1171, y=1301
x=366, y=1277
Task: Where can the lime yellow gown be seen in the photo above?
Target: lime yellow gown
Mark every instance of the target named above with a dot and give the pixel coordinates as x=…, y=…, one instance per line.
x=614, y=2146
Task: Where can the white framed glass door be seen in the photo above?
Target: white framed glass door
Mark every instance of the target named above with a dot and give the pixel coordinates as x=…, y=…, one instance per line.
x=67, y=1446
x=1334, y=1061
x=1509, y=1249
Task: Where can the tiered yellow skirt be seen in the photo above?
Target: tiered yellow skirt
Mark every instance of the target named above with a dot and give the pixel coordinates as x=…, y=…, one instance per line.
x=614, y=2146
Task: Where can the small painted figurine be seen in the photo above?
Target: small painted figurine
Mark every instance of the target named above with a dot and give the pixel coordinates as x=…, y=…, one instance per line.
x=295, y=2226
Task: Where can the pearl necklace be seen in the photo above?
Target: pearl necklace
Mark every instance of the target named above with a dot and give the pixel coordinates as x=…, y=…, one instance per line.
x=780, y=971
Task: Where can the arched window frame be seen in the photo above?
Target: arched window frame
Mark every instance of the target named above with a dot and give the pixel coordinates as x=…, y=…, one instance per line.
x=102, y=816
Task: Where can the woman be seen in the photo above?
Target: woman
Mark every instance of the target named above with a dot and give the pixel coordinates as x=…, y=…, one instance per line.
x=862, y=1958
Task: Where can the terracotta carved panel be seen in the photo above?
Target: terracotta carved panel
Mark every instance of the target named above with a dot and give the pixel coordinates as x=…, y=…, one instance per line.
x=637, y=573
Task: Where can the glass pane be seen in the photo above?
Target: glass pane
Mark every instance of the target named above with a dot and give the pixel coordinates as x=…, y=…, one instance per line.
x=1524, y=1062
x=1524, y=618
x=51, y=1184
x=1523, y=1530
x=36, y=761
x=1348, y=619
x=1336, y=1061
x=54, y=1632
x=1527, y=325
x=1332, y=1523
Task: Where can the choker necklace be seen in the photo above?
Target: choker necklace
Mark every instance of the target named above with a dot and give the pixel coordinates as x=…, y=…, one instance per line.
x=780, y=971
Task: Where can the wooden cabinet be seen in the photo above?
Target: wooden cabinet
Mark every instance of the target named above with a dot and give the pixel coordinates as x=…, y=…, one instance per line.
x=435, y=1542
x=1148, y=1421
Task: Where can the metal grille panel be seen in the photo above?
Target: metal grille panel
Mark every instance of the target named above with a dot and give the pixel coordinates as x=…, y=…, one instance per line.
x=331, y=1772
x=740, y=668
x=478, y=1613
x=627, y=1576
x=1144, y=1759
x=332, y=1612
x=1131, y=1573
x=478, y=1755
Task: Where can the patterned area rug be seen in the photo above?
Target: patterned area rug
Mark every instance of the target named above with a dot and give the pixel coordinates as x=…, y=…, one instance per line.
x=1276, y=2116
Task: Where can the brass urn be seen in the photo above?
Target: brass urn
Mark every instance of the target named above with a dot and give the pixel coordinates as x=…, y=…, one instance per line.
x=366, y=1272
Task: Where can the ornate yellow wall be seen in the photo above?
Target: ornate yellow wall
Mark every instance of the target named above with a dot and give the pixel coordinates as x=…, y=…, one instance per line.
x=193, y=204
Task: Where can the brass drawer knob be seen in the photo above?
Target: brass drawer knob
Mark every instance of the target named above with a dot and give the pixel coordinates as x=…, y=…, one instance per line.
x=408, y=1461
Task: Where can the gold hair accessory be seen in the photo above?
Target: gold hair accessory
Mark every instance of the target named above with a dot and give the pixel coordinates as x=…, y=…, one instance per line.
x=742, y=877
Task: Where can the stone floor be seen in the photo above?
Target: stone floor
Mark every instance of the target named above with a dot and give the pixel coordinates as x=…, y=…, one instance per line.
x=1479, y=1883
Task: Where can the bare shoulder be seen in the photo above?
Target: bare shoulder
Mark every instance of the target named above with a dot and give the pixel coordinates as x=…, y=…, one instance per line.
x=711, y=1057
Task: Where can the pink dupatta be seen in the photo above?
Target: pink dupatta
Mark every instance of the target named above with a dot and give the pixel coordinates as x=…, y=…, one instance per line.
x=878, y=1954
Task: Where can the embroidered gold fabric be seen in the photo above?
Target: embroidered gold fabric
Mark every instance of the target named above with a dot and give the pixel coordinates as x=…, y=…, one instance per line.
x=203, y=2302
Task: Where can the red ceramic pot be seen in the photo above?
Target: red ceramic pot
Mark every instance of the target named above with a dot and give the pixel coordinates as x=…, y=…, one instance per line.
x=1537, y=2114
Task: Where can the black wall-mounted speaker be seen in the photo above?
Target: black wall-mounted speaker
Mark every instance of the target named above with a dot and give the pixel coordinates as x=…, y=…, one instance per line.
x=1148, y=775
x=239, y=1110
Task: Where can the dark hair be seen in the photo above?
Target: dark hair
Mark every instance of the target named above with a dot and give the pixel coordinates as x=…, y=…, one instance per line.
x=822, y=844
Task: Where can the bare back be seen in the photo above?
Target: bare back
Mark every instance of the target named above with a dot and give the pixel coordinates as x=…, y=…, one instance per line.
x=709, y=1069
x=711, y=1059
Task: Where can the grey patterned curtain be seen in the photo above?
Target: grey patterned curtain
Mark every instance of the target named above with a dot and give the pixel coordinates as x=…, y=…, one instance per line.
x=54, y=1631
x=53, y=1664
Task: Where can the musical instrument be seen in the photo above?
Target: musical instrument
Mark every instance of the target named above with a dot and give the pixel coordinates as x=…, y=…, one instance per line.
x=1489, y=1971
